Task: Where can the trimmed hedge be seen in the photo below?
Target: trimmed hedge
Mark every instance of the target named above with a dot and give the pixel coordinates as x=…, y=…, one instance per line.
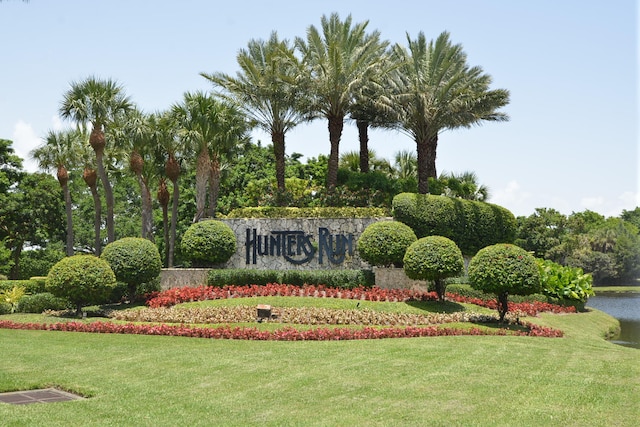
x=346, y=279
x=282, y=212
x=35, y=285
x=472, y=225
x=208, y=242
x=384, y=243
x=134, y=261
x=82, y=279
x=38, y=303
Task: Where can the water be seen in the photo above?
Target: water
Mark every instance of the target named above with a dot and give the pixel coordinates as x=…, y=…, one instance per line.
x=624, y=306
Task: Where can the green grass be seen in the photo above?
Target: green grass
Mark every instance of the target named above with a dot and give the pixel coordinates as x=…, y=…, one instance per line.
x=578, y=380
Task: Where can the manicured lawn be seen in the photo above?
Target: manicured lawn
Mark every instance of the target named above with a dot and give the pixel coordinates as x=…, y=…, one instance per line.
x=578, y=380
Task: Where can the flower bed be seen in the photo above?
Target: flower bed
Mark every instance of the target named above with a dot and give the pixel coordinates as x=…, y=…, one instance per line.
x=285, y=334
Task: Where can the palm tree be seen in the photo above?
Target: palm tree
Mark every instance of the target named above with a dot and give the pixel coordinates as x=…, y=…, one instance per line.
x=406, y=164
x=464, y=186
x=133, y=135
x=339, y=62
x=432, y=90
x=60, y=151
x=90, y=178
x=98, y=102
x=209, y=129
x=267, y=90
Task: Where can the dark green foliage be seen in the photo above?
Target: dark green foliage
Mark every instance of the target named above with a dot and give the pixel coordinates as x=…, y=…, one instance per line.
x=346, y=279
x=471, y=224
x=332, y=212
x=134, y=261
x=38, y=303
x=38, y=262
x=384, y=243
x=5, y=308
x=504, y=269
x=209, y=242
x=433, y=258
x=82, y=279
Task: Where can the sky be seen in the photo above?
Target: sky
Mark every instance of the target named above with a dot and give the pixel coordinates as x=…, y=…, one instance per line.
x=571, y=67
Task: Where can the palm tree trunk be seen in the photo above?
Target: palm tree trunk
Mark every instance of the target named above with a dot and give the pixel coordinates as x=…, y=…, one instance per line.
x=108, y=195
x=147, y=213
x=336, y=123
x=89, y=177
x=277, y=138
x=203, y=167
x=69, y=212
x=426, y=149
x=363, y=136
x=214, y=187
x=174, y=222
x=163, y=199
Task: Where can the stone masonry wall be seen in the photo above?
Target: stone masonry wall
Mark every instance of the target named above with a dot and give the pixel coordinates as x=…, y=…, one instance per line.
x=298, y=243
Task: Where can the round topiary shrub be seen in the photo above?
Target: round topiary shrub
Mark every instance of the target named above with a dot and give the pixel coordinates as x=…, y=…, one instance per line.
x=504, y=270
x=82, y=279
x=434, y=258
x=384, y=243
x=134, y=261
x=208, y=242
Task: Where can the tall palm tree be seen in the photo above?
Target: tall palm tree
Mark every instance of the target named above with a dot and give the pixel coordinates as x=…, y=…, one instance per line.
x=133, y=134
x=59, y=151
x=339, y=60
x=267, y=89
x=90, y=178
x=433, y=89
x=98, y=102
x=209, y=128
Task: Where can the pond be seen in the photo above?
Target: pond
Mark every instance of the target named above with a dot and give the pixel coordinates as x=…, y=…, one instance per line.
x=624, y=306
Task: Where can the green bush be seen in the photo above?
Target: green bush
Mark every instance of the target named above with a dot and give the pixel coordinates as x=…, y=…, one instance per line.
x=565, y=282
x=504, y=269
x=34, y=285
x=433, y=258
x=40, y=302
x=82, y=279
x=134, y=261
x=346, y=279
x=5, y=308
x=208, y=243
x=384, y=243
x=38, y=262
x=471, y=224
x=12, y=296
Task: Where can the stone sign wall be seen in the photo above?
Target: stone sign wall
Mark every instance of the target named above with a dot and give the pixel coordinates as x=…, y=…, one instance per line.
x=298, y=243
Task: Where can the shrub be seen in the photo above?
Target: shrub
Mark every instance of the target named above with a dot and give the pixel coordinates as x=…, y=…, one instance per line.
x=434, y=258
x=32, y=286
x=504, y=269
x=565, y=282
x=12, y=297
x=38, y=262
x=82, y=279
x=40, y=302
x=384, y=243
x=471, y=224
x=344, y=279
x=134, y=261
x=209, y=242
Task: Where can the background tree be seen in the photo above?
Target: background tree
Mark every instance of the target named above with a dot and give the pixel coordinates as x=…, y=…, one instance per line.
x=98, y=102
x=433, y=89
x=267, y=90
x=339, y=60
x=60, y=151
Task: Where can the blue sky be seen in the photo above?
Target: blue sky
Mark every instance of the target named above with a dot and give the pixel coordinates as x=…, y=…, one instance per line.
x=571, y=67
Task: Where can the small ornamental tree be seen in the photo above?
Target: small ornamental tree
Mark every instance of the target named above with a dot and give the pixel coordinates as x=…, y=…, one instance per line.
x=209, y=242
x=134, y=261
x=82, y=279
x=504, y=270
x=384, y=243
x=434, y=258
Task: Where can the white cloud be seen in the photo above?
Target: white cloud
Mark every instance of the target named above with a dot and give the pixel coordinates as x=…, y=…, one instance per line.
x=514, y=198
x=593, y=203
x=25, y=140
